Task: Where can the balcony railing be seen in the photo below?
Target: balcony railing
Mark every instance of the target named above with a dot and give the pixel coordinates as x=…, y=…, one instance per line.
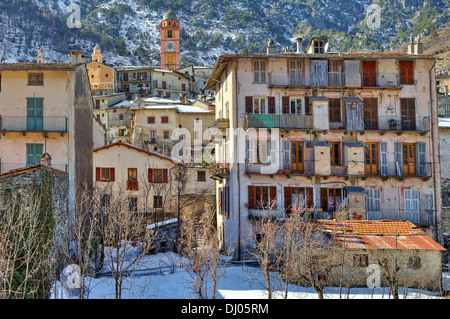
x=309, y=167
x=424, y=217
x=385, y=80
x=7, y=167
x=222, y=124
x=288, y=121
x=132, y=185
x=33, y=124
x=135, y=79
x=283, y=79
x=398, y=123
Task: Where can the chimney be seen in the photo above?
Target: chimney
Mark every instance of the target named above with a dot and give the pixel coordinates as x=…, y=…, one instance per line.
x=40, y=57
x=298, y=40
x=271, y=49
x=46, y=160
x=76, y=57
x=418, y=46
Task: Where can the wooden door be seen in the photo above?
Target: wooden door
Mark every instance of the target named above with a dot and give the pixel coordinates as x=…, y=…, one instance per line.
x=369, y=73
x=370, y=113
x=409, y=159
x=35, y=114
x=297, y=160
x=371, y=158
x=132, y=179
x=408, y=114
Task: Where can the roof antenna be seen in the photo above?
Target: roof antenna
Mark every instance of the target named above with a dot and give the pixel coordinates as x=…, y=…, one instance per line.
x=3, y=59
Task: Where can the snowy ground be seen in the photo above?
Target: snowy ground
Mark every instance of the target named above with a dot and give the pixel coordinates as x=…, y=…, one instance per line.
x=161, y=277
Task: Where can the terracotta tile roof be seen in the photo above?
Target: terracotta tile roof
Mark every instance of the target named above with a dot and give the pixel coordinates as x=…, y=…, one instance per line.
x=32, y=168
x=379, y=234
x=372, y=227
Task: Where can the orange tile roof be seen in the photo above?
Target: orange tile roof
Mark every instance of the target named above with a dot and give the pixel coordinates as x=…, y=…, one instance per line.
x=32, y=168
x=36, y=66
x=372, y=227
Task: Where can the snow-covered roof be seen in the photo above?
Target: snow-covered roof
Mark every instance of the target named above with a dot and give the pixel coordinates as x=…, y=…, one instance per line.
x=191, y=109
x=164, y=223
x=444, y=122
x=156, y=99
x=124, y=103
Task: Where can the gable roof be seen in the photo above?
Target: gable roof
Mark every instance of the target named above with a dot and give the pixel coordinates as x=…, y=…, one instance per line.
x=135, y=148
x=32, y=168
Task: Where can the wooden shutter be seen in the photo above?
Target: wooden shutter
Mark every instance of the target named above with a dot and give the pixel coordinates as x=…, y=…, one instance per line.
x=411, y=205
x=165, y=177
x=97, y=174
x=250, y=153
x=421, y=157
x=112, y=174
x=150, y=175
x=383, y=159
x=249, y=104
x=271, y=102
x=251, y=196
x=287, y=199
x=285, y=104
x=324, y=199
x=406, y=72
x=373, y=203
x=286, y=154
x=273, y=197
x=398, y=158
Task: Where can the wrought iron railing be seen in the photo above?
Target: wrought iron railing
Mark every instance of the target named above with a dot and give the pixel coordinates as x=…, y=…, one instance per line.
x=37, y=124
x=289, y=121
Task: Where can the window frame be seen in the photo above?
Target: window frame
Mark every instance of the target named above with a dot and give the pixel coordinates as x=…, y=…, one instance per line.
x=38, y=82
x=259, y=71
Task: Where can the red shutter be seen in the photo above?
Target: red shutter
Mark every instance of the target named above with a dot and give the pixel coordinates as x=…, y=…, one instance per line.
x=97, y=174
x=287, y=199
x=249, y=104
x=251, y=196
x=165, y=175
x=271, y=104
x=406, y=72
x=285, y=103
x=273, y=197
x=112, y=174
x=150, y=175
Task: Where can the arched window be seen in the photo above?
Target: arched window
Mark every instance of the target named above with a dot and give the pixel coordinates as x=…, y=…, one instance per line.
x=169, y=33
x=169, y=22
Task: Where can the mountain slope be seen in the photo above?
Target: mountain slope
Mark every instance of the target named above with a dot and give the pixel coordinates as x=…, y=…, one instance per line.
x=127, y=31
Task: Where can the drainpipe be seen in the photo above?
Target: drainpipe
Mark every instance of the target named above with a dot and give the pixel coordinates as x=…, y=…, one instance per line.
x=237, y=166
x=434, y=159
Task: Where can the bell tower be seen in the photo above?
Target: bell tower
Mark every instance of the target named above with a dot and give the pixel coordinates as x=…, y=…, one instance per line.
x=169, y=30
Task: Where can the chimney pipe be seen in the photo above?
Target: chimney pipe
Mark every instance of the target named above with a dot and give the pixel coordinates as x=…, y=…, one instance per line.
x=271, y=49
x=299, y=44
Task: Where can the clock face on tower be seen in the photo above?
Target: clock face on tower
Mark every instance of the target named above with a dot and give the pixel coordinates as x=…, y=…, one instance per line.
x=170, y=46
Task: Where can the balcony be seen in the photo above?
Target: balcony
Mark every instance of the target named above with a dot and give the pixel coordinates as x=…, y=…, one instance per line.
x=399, y=169
x=422, y=217
x=135, y=79
x=36, y=124
x=285, y=121
x=222, y=124
x=219, y=171
x=282, y=79
x=132, y=185
x=7, y=167
x=398, y=123
x=382, y=80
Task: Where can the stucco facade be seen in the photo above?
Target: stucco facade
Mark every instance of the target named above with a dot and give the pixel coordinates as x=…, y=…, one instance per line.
x=345, y=120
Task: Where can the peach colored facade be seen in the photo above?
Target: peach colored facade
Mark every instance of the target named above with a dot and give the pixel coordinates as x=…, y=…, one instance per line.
x=347, y=123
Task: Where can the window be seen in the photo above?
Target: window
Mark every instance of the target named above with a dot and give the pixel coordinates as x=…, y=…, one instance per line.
x=319, y=46
x=414, y=262
x=406, y=72
x=132, y=182
x=105, y=174
x=335, y=110
x=259, y=71
x=151, y=120
x=259, y=105
x=295, y=72
x=157, y=202
x=260, y=197
x=224, y=201
x=360, y=260
x=36, y=79
x=335, y=150
x=163, y=84
x=201, y=176
x=123, y=132
x=166, y=134
x=0, y=82
x=34, y=153
x=258, y=152
x=157, y=175
x=132, y=204
x=164, y=119
x=330, y=198
x=296, y=106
